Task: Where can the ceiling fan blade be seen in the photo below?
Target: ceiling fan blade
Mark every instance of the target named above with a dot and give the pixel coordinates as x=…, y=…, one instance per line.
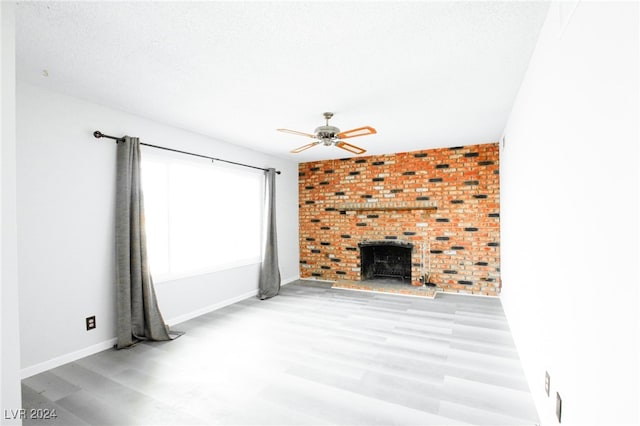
x=351, y=148
x=295, y=132
x=302, y=148
x=360, y=131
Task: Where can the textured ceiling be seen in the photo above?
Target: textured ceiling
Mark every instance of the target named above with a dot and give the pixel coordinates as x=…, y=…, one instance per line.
x=424, y=74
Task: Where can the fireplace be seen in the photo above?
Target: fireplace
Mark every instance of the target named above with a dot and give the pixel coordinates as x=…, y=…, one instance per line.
x=385, y=259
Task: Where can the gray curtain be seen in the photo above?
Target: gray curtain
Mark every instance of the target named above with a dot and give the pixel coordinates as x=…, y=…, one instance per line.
x=138, y=315
x=269, y=282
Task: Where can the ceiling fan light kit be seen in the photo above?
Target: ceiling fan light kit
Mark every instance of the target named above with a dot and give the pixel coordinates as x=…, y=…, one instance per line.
x=331, y=135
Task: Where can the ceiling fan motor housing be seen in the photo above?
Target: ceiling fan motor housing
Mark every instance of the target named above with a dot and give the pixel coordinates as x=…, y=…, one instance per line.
x=327, y=134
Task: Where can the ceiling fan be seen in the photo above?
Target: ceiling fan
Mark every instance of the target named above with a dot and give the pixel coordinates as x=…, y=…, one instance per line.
x=330, y=135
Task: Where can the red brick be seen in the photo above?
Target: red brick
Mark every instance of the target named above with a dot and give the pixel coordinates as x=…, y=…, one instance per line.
x=472, y=213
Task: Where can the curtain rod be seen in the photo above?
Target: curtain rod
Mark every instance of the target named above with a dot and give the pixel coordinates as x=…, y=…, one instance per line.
x=98, y=134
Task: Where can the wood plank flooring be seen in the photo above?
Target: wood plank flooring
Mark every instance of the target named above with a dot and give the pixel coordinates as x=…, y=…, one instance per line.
x=311, y=356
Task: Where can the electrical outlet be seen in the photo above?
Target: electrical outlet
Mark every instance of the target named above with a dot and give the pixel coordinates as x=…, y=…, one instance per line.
x=91, y=322
x=558, y=407
x=547, y=382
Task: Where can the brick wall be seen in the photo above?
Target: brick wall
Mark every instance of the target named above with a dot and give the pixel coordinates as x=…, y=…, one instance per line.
x=461, y=236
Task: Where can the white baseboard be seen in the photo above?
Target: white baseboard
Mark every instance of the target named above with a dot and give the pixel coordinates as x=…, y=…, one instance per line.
x=66, y=358
x=222, y=304
x=290, y=280
x=198, y=312
x=99, y=347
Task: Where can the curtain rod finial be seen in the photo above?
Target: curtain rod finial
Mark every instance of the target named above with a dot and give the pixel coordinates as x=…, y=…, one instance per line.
x=97, y=134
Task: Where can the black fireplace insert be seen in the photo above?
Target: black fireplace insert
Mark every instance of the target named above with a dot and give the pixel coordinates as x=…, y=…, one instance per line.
x=385, y=259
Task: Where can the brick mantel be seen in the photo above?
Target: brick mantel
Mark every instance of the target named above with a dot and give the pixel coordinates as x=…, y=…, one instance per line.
x=387, y=206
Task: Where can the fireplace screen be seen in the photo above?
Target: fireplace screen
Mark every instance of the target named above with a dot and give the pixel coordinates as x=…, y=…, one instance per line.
x=385, y=259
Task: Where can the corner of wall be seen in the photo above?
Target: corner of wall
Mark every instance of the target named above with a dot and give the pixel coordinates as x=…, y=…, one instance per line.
x=10, y=393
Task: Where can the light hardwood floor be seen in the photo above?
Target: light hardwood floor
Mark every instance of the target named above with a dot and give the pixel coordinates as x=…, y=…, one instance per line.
x=311, y=356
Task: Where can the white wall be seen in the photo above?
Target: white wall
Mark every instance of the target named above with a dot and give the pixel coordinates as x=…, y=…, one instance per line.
x=66, y=200
x=10, y=397
x=569, y=201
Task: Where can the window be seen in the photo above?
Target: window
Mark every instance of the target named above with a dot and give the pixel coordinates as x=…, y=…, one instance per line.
x=200, y=217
